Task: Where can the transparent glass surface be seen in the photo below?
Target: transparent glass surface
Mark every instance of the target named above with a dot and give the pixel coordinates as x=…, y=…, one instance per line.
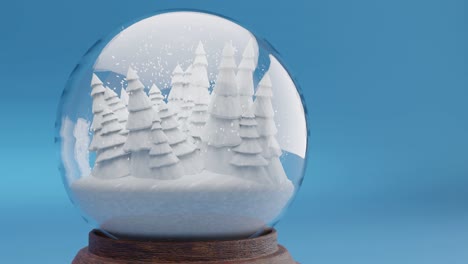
x=181, y=125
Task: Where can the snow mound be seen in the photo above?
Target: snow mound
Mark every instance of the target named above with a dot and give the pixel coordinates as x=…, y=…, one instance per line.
x=204, y=205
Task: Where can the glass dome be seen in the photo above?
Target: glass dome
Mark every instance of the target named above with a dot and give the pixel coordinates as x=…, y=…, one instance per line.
x=181, y=125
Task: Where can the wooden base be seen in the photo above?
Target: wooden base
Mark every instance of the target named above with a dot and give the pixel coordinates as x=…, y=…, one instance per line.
x=260, y=250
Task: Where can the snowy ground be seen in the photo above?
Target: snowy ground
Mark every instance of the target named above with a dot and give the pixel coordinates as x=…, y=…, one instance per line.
x=204, y=205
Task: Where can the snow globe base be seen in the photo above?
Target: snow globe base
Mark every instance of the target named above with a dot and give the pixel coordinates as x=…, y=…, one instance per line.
x=263, y=249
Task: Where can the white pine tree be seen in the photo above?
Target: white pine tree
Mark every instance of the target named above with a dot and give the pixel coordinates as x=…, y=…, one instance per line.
x=187, y=103
x=124, y=96
x=248, y=158
x=155, y=95
x=163, y=162
x=222, y=128
x=264, y=113
x=99, y=104
x=245, y=76
x=116, y=105
x=175, y=97
x=200, y=85
x=182, y=147
x=140, y=121
x=184, y=114
x=188, y=89
x=111, y=159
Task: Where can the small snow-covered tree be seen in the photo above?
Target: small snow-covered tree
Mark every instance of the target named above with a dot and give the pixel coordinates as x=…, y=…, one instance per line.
x=124, y=96
x=183, y=149
x=155, y=95
x=163, y=162
x=264, y=113
x=116, y=105
x=245, y=76
x=111, y=159
x=176, y=95
x=201, y=96
x=248, y=158
x=140, y=121
x=222, y=128
x=99, y=103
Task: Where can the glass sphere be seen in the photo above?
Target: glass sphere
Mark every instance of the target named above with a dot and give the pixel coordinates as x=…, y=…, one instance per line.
x=182, y=125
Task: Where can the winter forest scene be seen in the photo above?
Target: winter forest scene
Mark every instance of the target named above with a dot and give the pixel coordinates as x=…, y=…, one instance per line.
x=198, y=157
x=225, y=132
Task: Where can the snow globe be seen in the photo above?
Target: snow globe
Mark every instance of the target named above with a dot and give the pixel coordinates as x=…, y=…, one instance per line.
x=183, y=140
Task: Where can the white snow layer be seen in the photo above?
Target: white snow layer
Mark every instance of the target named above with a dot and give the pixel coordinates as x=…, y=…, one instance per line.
x=204, y=205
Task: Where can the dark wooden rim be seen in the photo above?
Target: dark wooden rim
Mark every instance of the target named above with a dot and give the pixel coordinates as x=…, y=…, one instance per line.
x=173, y=251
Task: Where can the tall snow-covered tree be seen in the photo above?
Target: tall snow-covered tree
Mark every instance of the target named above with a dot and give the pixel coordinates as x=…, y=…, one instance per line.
x=188, y=89
x=99, y=104
x=163, y=162
x=245, y=76
x=139, y=123
x=116, y=105
x=264, y=113
x=201, y=96
x=182, y=147
x=111, y=159
x=222, y=128
x=187, y=103
x=155, y=96
x=184, y=114
x=176, y=95
x=248, y=158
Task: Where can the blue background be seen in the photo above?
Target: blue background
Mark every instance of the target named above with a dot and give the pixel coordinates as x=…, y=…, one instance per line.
x=386, y=84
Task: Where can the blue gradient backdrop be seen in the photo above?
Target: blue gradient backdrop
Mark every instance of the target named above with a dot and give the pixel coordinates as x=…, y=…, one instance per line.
x=386, y=84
